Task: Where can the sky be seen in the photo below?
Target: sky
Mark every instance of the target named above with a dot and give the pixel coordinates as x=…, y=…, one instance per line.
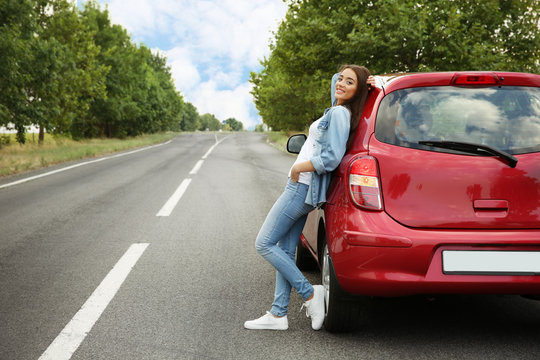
x=211, y=46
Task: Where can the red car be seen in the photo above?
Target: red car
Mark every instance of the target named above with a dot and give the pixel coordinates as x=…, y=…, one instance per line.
x=440, y=193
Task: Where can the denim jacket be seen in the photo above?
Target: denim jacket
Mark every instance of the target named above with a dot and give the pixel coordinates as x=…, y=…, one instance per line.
x=331, y=141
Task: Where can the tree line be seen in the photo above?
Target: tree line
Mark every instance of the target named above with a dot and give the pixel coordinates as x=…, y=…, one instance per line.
x=387, y=36
x=71, y=71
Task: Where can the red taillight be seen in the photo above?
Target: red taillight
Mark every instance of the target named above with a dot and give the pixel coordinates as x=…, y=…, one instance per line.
x=475, y=79
x=364, y=183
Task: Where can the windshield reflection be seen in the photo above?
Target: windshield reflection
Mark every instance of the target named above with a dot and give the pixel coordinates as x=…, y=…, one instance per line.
x=506, y=118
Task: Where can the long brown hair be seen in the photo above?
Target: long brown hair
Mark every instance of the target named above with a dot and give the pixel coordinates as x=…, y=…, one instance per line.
x=357, y=102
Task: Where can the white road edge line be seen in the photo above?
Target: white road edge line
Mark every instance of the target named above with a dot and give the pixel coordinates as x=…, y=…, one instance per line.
x=80, y=164
x=169, y=206
x=71, y=337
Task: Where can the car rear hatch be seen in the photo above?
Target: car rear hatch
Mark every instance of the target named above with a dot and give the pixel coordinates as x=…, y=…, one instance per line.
x=461, y=156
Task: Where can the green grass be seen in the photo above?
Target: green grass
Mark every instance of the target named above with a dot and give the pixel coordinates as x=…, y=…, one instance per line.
x=15, y=158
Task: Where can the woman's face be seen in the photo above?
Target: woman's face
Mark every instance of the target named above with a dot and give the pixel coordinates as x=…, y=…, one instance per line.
x=346, y=86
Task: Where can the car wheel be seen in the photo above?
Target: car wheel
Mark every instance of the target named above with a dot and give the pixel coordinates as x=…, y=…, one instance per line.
x=342, y=310
x=304, y=259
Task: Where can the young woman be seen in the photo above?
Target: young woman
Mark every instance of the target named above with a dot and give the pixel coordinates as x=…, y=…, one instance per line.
x=306, y=188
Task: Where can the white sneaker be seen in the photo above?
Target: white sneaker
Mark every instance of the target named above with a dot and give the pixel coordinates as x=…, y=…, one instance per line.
x=268, y=322
x=315, y=307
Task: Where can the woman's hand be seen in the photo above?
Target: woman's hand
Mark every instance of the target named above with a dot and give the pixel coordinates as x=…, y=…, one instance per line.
x=371, y=81
x=295, y=173
x=305, y=166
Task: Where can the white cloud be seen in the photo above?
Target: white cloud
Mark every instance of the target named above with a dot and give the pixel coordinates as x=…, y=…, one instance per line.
x=183, y=70
x=140, y=17
x=225, y=104
x=211, y=45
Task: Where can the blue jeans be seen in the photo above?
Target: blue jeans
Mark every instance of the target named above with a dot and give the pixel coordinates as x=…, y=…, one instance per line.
x=277, y=242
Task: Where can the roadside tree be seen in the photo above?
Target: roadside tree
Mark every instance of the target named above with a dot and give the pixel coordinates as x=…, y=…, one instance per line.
x=234, y=124
x=387, y=36
x=209, y=122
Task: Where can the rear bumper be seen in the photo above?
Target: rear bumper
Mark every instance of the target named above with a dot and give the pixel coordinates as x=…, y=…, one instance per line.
x=385, y=277
x=378, y=256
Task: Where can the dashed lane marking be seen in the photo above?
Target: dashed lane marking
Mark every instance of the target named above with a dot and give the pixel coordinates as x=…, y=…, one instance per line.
x=71, y=337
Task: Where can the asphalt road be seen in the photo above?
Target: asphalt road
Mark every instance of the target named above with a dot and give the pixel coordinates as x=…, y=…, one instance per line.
x=199, y=278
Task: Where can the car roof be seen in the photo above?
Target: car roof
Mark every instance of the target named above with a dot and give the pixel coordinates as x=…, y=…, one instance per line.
x=397, y=81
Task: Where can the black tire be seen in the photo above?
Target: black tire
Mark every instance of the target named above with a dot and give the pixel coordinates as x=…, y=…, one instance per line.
x=304, y=260
x=342, y=309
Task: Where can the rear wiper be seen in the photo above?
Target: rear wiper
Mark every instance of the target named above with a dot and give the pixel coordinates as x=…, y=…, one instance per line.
x=472, y=148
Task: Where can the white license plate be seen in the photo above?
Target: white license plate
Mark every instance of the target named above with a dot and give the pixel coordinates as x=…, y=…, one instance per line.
x=491, y=262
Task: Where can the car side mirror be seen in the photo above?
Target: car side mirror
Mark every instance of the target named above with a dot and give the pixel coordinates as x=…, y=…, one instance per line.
x=295, y=142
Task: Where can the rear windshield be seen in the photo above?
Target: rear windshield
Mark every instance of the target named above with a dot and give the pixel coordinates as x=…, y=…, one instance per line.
x=505, y=118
